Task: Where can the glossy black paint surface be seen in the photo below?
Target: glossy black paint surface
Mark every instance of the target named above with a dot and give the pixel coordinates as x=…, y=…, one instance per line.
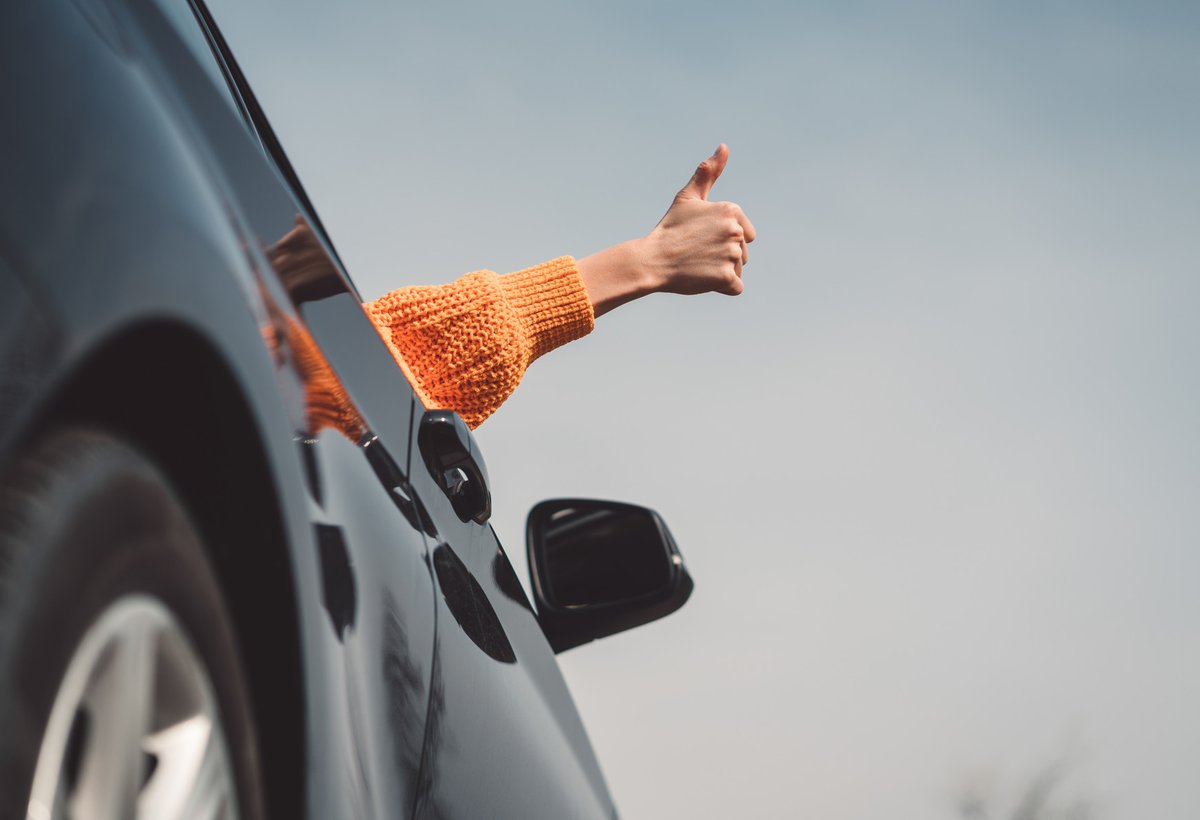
x=150, y=232
x=504, y=737
x=454, y=463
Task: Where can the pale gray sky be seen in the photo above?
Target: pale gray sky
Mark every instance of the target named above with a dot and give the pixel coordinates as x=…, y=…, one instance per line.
x=937, y=472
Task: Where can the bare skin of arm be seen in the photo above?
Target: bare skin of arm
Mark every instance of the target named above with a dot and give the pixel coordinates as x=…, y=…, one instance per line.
x=699, y=246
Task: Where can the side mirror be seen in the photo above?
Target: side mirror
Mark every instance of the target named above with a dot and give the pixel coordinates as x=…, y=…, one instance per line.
x=600, y=567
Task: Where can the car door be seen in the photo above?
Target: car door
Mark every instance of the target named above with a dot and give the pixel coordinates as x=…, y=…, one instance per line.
x=352, y=411
x=504, y=737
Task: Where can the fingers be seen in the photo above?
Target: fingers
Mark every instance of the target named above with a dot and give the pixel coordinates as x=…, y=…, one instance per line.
x=706, y=175
x=732, y=209
x=747, y=226
x=734, y=286
x=296, y=233
x=738, y=233
x=292, y=237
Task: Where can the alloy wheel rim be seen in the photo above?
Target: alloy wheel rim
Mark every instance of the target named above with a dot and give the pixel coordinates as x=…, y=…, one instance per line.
x=134, y=733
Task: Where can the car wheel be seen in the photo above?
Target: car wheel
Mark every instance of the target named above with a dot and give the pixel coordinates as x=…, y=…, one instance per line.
x=121, y=692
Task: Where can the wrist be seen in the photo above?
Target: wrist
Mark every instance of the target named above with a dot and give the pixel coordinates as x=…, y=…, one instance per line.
x=618, y=275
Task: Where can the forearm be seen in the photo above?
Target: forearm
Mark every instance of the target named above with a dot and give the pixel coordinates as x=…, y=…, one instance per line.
x=617, y=275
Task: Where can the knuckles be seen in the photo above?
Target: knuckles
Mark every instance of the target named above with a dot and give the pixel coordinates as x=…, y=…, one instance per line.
x=734, y=211
x=734, y=219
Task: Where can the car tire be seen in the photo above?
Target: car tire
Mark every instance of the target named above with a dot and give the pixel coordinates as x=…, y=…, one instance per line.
x=121, y=691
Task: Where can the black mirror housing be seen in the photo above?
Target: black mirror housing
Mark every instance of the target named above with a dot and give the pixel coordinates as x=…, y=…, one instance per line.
x=601, y=567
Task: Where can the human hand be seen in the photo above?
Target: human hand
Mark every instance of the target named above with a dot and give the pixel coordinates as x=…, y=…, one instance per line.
x=303, y=264
x=699, y=246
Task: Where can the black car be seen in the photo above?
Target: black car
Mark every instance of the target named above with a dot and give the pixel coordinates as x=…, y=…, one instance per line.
x=214, y=601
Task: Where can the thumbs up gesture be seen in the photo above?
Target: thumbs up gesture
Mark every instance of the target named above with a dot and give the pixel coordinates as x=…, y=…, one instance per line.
x=698, y=247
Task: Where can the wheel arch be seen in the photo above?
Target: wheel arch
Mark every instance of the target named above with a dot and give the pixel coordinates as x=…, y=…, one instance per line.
x=191, y=417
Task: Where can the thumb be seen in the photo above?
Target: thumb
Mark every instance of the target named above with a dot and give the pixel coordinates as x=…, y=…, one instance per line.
x=706, y=175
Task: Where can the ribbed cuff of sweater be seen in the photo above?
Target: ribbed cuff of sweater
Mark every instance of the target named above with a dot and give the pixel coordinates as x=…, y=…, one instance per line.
x=465, y=345
x=552, y=303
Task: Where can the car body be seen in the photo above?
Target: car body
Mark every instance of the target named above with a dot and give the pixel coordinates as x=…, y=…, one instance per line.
x=395, y=664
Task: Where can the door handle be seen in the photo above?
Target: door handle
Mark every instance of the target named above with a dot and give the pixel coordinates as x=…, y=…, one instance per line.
x=455, y=464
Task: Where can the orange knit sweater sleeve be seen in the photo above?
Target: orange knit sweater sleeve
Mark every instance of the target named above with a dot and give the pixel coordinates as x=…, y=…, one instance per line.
x=466, y=345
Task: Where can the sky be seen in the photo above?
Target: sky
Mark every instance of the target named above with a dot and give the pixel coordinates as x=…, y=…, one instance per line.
x=936, y=474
